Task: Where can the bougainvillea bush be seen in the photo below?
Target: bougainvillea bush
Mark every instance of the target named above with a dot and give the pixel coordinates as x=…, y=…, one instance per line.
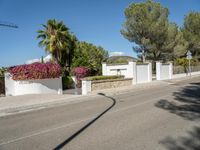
x=35, y=71
x=80, y=72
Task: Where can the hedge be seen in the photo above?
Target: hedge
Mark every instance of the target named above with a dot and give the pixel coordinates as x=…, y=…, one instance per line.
x=95, y=78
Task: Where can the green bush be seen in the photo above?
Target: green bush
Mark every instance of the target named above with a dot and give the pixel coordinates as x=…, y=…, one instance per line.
x=2, y=86
x=67, y=82
x=2, y=71
x=184, y=62
x=95, y=78
x=181, y=65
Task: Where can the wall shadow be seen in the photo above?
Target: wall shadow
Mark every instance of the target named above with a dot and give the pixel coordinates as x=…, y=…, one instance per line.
x=189, y=142
x=186, y=102
x=69, y=139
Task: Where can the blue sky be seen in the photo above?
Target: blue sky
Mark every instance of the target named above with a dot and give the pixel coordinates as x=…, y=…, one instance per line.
x=95, y=21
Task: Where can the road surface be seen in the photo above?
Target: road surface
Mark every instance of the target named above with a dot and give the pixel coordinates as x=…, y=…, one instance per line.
x=164, y=117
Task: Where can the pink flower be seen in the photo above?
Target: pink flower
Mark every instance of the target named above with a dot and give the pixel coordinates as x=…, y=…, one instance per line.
x=35, y=71
x=80, y=72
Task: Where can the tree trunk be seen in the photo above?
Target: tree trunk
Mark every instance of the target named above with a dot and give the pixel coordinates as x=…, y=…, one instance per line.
x=143, y=56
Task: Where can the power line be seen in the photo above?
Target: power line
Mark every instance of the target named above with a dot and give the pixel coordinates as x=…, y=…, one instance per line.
x=10, y=25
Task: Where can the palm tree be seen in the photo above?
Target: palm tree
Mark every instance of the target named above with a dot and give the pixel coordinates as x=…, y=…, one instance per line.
x=58, y=41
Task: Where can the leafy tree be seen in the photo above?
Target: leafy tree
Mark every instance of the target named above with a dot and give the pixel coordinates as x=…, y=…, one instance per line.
x=191, y=32
x=181, y=47
x=90, y=56
x=59, y=41
x=170, y=42
x=147, y=25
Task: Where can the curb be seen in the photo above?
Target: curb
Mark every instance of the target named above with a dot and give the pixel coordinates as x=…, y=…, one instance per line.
x=81, y=98
x=78, y=99
x=33, y=107
x=65, y=101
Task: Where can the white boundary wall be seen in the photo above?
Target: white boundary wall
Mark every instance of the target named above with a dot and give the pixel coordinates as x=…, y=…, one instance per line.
x=140, y=73
x=164, y=71
x=14, y=88
x=126, y=69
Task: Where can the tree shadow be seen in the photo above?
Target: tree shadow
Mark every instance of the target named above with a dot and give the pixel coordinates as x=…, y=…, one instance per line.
x=69, y=139
x=186, y=104
x=189, y=142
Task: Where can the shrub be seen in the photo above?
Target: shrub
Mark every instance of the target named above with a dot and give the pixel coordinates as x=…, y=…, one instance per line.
x=35, y=71
x=67, y=82
x=181, y=65
x=185, y=62
x=2, y=86
x=80, y=72
x=2, y=71
x=94, y=78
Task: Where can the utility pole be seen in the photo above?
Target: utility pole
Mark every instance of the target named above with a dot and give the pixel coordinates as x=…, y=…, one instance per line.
x=189, y=57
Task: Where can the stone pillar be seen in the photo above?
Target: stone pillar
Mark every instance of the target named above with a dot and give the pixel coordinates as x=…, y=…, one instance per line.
x=104, y=69
x=86, y=87
x=158, y=70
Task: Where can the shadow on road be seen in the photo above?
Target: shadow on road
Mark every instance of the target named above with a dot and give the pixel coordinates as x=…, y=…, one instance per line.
x=189, y=142
x=186, y=104
x=61, y=145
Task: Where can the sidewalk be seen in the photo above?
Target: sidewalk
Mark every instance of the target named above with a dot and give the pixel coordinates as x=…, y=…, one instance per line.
x=16, y=104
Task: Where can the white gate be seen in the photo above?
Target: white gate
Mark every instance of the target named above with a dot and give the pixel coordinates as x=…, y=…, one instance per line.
x=164, y=71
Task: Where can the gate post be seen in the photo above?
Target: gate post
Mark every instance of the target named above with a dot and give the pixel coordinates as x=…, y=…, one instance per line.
x=86, y=87
x=170, y=70
x=150, y=72
x=158, y=70
x=104, y=68
x=133, y=72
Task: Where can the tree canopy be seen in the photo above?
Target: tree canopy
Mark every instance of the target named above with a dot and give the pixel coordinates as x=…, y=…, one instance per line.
x=191, y=32
x=59, y=41
x=89, y=55
x=147, y=25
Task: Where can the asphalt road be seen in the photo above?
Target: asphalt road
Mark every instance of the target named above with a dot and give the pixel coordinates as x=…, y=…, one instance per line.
x=159, y=118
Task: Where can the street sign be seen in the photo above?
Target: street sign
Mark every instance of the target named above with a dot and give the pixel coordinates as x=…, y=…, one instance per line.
x=189, y=57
